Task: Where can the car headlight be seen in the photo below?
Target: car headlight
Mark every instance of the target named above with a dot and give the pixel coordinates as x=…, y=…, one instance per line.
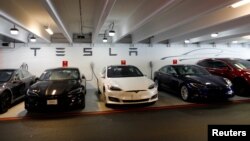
x=78, y=90
x=114, y=88
x=229, y=83
x=197, y=85
x=152, y=86
x=33, y=92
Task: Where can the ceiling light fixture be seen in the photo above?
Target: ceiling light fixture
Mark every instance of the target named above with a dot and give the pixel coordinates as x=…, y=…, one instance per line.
x=14, y=30
x=33, y=39
x=112, y=32
x=49, y=30
x=246, y=37
x=105, y=39
x=240, y=3
x=234, y=42
x=214, y=35
x=187, y=41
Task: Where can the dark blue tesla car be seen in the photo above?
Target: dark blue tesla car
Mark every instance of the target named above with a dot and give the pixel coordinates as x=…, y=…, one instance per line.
x=192, y=81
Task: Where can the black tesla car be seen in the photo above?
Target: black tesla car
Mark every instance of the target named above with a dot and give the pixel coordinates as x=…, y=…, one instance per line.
x=192, y=81
x=59, y=87
x=13, y=86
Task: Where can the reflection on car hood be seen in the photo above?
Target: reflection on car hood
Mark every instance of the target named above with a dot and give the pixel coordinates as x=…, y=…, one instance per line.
x=205, y=79
x=131, y=83
x=55, y=87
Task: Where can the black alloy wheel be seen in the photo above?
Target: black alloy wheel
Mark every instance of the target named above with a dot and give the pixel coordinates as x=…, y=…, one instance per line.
x=82, y=103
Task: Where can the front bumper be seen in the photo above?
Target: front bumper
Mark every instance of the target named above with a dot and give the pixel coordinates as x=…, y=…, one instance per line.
x=212, y=92
x=131, y=97
x=56, y=101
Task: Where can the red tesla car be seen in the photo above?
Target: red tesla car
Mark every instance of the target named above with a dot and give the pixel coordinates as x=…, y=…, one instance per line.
x=236, y=70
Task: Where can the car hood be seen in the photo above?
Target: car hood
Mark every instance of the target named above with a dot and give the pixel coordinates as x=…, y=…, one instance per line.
x=247, y=71
x=205, y=79
x=55, y=87
x=131, y=83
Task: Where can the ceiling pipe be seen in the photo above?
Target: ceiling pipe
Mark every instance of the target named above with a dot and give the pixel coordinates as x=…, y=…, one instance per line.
x=105, y=8
x=9, y=18
x=56, y=17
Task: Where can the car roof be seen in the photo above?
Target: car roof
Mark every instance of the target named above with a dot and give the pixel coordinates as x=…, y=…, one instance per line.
x=182, y=65
x=120, y=66
x=223, y=59
x=63, y=68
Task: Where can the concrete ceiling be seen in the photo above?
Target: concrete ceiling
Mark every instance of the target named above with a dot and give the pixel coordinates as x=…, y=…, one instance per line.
x=153, y=21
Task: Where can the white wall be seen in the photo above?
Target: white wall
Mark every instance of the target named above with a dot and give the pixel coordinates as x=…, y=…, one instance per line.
x=46, y=56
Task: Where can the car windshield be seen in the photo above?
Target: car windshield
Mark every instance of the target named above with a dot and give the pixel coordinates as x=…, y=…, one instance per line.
x=5, y=75
x=123, y=71
x=240, y=64
x=190, y=70
x=60, y=74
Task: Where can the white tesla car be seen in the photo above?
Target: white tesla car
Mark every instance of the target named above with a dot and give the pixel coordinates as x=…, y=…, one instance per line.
x=125, y=84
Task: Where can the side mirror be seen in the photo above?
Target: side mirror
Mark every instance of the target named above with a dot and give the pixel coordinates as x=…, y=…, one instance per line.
x=102, y=75
x=16, y=79
x=37, y=79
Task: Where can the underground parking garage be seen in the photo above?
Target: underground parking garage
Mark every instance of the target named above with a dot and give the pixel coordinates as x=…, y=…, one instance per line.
x=124, y=70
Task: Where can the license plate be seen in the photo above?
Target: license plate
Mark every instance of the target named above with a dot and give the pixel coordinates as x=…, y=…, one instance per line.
x=52, y=102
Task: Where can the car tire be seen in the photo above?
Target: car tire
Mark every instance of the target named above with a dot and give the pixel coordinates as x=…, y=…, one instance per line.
x=82, y=102
x=30, y=110
x=158, y=84
x=184, y=93
x=5, y=102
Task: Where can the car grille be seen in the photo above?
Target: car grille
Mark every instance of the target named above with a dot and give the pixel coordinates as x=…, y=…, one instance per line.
x=217, y=90
x=136, y=91
x=130, y=101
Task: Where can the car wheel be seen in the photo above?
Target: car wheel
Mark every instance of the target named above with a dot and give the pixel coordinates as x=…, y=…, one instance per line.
x=82, y=103
x=30, y=110
x=185, y=93
x=5, y=102
x=158, y=84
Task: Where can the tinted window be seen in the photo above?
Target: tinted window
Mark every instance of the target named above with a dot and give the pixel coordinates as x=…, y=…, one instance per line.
x=60, y=74
x=163, y=70
x=123, y=71
x=203, y=63
x=171, y=70
x=219, y=64
x=240, y=64
x=190, y=70
x=5, y=75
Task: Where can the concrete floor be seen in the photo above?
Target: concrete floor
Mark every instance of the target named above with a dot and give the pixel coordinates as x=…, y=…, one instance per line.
x=94, y=104
x=181, y=124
